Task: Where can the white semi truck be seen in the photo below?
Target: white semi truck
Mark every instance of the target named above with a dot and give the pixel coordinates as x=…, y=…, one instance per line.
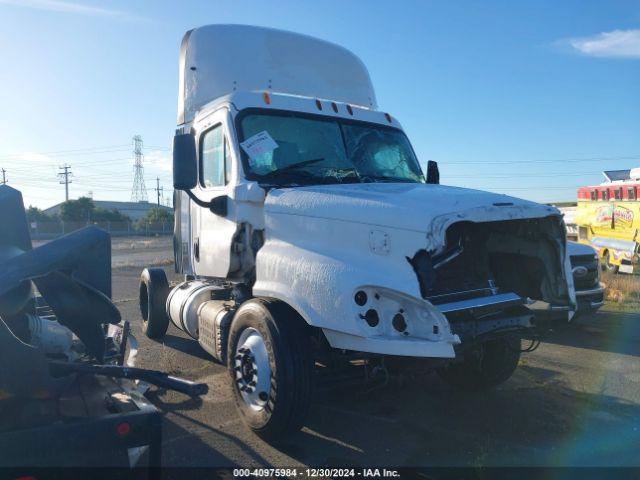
x=306, y=228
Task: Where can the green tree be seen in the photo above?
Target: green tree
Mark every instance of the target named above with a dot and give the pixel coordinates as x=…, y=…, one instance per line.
x=79, y=210
x=34, y=214
x=158, y=215
x=104, y=215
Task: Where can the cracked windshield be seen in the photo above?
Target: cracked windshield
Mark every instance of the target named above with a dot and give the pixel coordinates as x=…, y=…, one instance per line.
x=308, y=151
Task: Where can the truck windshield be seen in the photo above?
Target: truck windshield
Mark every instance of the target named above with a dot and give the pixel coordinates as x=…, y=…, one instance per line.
x=292, y=149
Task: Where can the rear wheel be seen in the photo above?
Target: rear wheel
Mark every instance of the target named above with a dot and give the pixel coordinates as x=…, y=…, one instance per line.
x=154, y=289
x=486, y=365
x=270, y=367
x=607, y=266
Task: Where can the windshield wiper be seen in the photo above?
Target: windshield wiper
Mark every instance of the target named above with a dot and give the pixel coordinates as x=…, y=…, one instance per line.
x=292, y=170
x=296, y=173
x=384, y=179
x=295, y=166
x=344, y=174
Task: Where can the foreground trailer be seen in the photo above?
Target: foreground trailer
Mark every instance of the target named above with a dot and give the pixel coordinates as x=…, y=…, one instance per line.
x=70, y=395
x=97, y=422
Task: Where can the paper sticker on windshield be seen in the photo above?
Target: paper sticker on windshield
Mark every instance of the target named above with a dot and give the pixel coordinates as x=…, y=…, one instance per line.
x=258, y=144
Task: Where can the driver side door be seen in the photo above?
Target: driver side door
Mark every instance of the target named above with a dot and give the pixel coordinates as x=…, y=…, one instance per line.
x=213, y=233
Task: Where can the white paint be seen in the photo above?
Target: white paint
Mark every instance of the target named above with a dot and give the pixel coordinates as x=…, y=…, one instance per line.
x=624, y=268
x=425, y=208
x=213, y=233
x=222, y=59
x=318, y=253
x=379, y=241
x=323, y=243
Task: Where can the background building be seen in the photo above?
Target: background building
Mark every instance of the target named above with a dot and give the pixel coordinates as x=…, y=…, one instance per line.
x=134, y=210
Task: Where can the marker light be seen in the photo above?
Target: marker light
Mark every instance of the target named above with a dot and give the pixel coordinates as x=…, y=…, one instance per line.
x=123, y=429
x=266, y=98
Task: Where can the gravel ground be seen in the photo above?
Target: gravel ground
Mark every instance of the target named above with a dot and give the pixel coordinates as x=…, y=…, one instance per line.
x=574, y=401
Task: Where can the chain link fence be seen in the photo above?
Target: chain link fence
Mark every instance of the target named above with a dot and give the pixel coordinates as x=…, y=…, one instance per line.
x=50, y=230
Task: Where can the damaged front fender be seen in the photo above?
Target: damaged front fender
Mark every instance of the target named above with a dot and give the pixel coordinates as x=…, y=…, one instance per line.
x=317, y=260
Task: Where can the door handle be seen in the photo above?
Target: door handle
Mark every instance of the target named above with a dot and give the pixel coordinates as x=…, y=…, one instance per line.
x=196, y=249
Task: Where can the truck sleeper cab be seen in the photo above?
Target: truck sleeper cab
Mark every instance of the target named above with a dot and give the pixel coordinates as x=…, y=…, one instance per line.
x=305, y=227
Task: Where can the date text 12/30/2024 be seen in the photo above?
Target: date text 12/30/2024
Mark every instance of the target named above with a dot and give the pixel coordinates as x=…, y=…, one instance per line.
x=316, y=472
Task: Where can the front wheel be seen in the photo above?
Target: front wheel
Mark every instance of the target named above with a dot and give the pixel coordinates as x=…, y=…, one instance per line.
x=270, y=367
x=486, y=365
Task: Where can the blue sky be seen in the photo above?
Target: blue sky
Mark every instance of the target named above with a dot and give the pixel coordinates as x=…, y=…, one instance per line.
x=526, y=98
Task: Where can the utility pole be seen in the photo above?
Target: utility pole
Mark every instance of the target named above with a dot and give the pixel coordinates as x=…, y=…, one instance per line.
x=64, y=175
x=139, y=191
x=158, y=189
x=4, y=177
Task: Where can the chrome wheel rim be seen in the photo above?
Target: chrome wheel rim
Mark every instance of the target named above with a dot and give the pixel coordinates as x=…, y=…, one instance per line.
x=252, y=369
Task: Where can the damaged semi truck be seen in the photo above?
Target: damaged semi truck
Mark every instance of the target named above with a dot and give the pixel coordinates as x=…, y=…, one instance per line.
x=306, y=229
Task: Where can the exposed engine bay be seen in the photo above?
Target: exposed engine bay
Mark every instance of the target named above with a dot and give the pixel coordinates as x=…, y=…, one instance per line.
x=484, y=258
x=487, y=272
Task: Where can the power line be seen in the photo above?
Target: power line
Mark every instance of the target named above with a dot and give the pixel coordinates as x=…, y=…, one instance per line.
x=155, y=147
x=525, y=176
x=139, y=191
x=65, y=174
x=78, y=151
x=93, y=151
x=557, y=160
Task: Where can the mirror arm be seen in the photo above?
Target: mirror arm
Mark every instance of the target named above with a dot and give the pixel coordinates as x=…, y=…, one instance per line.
x=196, y=200
x=217, y=206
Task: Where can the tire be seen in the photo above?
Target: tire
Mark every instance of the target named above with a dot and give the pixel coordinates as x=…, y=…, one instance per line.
x=606, y=264
x=154, y=289
x=487, y=365
x=277, y=402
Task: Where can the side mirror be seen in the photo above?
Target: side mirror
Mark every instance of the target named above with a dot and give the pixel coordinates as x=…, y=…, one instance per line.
x=185, y=162
x=433, y=174
x=219, y=205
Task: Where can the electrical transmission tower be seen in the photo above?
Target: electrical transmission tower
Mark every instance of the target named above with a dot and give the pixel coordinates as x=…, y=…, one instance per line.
x=139, y=191
x=64, y=179
x=4, y=177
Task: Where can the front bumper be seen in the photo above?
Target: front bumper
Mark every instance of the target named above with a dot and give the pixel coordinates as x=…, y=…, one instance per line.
x=590, y=300
x=430, y=330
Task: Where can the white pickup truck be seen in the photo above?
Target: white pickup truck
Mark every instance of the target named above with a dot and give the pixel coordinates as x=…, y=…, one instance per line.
x=305, y=227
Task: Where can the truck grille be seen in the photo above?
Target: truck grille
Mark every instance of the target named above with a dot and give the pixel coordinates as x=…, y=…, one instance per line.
x=590, y=279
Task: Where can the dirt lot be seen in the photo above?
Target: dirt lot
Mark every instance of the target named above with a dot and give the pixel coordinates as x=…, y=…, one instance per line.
x=574, y=401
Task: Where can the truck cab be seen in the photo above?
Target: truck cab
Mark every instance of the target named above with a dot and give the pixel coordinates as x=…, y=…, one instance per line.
x=306, y=226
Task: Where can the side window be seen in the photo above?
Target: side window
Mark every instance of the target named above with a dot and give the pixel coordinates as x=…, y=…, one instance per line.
x=617, y=194
x=631, y=193
x=227, y=160
x=594, y=194
x=213, y=158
